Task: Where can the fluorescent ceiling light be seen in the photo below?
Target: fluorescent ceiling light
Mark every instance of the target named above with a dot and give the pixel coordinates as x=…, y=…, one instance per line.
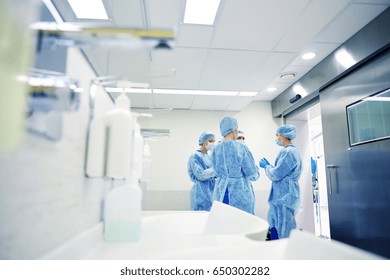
x=195, y=92
x=272, y=89
x=138, y=90
x=308, y=55
x=201, y=11
x=128, y=90
x=88, y=9
x=180, y=92
x=345, y=58
x=247, y=93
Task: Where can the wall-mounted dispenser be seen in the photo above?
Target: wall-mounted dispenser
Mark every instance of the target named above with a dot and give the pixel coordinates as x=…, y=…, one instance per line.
x=110, y=142
x=50, y=94
x=102, y=35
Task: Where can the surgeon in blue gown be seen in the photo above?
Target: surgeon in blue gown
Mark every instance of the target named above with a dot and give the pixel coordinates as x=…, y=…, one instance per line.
x=284, y=198
x=202, y=174
x=235, y=168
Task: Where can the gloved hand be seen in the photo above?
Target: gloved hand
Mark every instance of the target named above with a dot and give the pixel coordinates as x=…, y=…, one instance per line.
x=263, y=163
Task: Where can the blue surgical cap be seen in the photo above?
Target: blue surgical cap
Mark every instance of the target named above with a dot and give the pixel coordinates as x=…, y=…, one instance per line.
x=289, y=131
x=227, y=125
x=205, y=136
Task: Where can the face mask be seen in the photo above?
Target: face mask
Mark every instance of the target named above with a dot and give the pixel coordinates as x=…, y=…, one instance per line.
x=242, y=141
x=210, y=146
x=278, y=142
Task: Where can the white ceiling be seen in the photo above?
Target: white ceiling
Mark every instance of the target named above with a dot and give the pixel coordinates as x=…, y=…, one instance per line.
x=251, y=44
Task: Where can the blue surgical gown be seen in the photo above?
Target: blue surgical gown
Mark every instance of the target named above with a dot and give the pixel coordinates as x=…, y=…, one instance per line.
x=235, y=168
x=203, y=176
x=284, y=198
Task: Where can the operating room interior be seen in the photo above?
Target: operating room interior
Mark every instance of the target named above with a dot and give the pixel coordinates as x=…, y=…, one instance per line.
x=48, y=206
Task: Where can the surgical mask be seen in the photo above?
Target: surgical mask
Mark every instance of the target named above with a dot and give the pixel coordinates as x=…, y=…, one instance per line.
x=278, y=142
x=242, y=141
x=210, y=146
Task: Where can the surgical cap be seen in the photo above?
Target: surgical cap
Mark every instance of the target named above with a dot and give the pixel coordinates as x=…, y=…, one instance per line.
x=205, y=136
x=227, y=125
x=288, y=131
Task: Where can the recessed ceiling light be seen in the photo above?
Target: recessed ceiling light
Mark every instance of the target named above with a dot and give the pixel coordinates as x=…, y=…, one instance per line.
x=271, y=89
x=201, y=11
x=128, y=90
x=308, y=55
x=92, y=9
x=195, y=92
x=287, y=76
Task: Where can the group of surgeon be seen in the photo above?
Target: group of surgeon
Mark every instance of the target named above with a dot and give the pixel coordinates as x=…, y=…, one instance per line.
x=224, y=171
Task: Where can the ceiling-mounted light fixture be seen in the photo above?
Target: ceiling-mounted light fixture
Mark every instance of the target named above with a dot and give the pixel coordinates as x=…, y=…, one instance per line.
x=128, y=90
x=195, y=92
x=201, y=11
x=272, y=89
x=247, y=93
x=288, y=76
x=92, y=9
x=308, y=55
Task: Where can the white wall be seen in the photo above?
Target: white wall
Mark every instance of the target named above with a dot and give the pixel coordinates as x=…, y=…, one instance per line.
x=44, y=198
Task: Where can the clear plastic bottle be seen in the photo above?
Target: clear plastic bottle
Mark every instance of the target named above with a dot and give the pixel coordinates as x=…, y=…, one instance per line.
x=123, y=213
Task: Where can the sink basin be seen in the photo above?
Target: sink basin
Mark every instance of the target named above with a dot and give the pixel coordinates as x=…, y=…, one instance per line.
x=221, y=220
x=164, y=233
x=224, y=219
x=186, y=222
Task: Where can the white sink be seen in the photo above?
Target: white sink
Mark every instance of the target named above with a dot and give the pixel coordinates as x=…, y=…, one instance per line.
x=221, y=220
x=186, y=222
x=163, y=233
x=222, y=233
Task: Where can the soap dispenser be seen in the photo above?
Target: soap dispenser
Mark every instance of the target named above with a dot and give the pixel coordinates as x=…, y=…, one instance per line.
x=121, y=125
x=123, y=213
x=110, y=142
